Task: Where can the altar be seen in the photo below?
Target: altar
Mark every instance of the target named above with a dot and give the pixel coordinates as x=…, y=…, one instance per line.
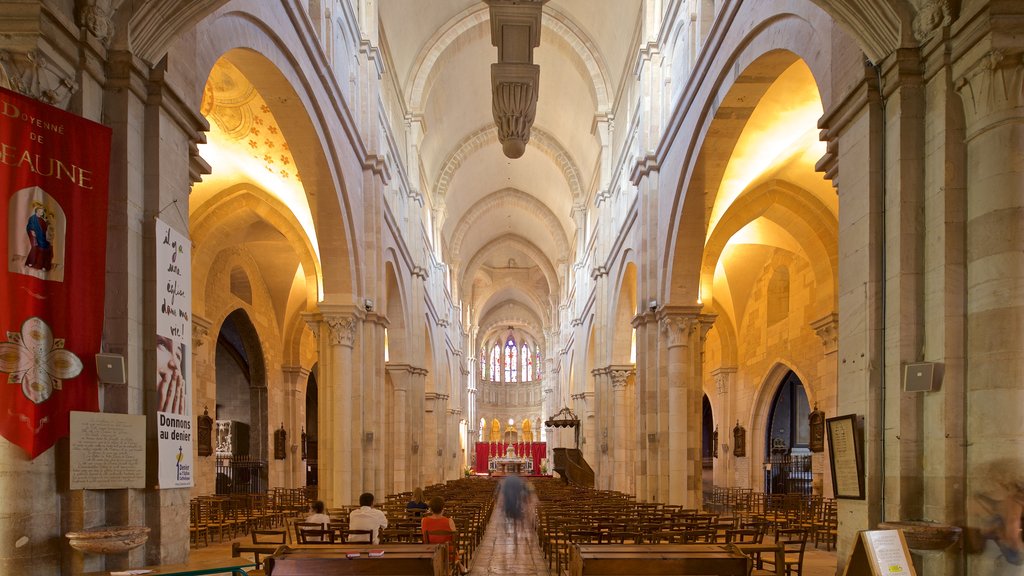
x=510, y=457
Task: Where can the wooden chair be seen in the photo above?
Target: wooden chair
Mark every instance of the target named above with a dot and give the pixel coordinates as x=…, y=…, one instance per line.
x=360, y=536
x=794, y=542
x=316, y=536
x=196, y=526
x=450, y=539
x=264, y=542
x=303, y=527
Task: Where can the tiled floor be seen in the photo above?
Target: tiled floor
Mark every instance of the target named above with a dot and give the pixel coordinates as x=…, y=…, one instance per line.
x=501, y=554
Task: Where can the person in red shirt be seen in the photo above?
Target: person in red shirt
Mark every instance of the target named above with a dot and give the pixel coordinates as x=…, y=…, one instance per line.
x=435, y=521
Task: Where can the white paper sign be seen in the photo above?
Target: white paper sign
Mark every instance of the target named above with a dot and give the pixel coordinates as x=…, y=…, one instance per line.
x=889, y=555
x=173, y=378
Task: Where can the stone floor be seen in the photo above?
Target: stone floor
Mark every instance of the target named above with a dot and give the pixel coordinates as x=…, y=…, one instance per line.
x=500, y=554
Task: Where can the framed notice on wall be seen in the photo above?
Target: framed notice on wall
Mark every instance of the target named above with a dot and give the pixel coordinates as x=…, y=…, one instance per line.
x=846, y=456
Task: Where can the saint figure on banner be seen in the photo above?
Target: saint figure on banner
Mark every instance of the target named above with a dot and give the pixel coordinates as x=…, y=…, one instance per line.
x=40, y=236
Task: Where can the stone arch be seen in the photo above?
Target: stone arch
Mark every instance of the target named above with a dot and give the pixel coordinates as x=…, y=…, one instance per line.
x=295, y=91
x=622, y=310
x=517, y=199
x=256, y=356
x=527, y=247
x=227, y=209
x=488, y=136
x=558, y=23
x=744, y=69
x=756, y=419
x=395, y=309
x=807, y=219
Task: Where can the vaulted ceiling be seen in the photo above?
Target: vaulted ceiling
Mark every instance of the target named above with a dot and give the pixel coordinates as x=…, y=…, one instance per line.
x=507, y=229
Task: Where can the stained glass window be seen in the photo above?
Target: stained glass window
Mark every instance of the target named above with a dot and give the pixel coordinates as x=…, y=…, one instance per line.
x=527, y=363
x=511, y=360
x=540, y=366
x=496, y=363
x=483, y=367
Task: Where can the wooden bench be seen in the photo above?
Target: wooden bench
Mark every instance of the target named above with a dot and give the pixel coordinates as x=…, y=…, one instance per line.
x=658, y=559
x=398, y=559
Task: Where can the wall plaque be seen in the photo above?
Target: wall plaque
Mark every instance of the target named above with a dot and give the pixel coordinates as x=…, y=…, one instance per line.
x=846, y=456
x=107, y=451
x=280, y=441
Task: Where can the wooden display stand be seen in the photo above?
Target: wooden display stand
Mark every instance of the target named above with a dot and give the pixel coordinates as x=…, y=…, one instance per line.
x=880, y=553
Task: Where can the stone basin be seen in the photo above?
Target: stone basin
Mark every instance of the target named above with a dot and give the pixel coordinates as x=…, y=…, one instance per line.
x=108, y=539
x=924, y=535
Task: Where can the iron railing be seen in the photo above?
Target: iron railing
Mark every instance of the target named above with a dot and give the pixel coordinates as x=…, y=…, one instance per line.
x=241, y=475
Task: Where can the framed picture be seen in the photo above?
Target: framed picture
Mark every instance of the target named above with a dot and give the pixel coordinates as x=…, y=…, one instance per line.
x=846, y=456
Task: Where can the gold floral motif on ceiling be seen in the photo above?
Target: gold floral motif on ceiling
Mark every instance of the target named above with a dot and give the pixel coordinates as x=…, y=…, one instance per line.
x=242, y=117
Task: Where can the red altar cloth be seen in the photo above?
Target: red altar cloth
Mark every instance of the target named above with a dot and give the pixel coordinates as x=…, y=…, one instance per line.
x=485, y=450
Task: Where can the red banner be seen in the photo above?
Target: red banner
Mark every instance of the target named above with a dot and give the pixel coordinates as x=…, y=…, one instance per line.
x=53, y=176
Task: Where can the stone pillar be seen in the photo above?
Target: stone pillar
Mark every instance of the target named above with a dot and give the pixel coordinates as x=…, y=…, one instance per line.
x=204, y=388
x=827, y=328
x=684, y=329
x=433, y=448
x=621, y=434
x=599, y=417
x=991, y=84
x=336, y=414
x=295, y=381
x=400, y=375
x=724, y=378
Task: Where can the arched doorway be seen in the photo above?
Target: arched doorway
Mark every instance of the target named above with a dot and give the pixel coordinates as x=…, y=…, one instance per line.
x=309, y=439
x=707, y=445
x=241, y=408
x=787, y=440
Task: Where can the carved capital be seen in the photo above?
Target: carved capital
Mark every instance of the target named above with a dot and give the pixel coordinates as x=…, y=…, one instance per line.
x=341, y=329
x=200, y=332
x=313, y=323
x=620, y=375
x=677, y=329
x=34, y=74
x=827, y=328
x=992, y=86
x=722, y=378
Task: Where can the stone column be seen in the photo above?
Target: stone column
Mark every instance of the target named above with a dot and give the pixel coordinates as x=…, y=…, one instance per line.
x=599, y=417
x=991, y=84
x=726, y=414
x=433, y=448
x=621, y=433
x=204, y=388
x=827, y=328
x=676, y=328
x=339, y=409
x=295, y=381
x=400, y=375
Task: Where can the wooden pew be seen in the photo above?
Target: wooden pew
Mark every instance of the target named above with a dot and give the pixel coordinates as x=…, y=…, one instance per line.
x=657, y=559
x=398, y=559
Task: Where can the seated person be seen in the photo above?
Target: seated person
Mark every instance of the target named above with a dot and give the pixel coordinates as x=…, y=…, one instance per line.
x=436, y=520
x=316, y=514
x=416, y=507
x=366, y=517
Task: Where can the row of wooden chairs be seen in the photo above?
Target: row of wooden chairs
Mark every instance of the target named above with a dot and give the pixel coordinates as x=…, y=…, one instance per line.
x=226, y=516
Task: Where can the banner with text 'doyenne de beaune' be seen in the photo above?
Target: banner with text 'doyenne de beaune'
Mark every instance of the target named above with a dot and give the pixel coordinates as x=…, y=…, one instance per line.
x=173, y=378
x=54, y=169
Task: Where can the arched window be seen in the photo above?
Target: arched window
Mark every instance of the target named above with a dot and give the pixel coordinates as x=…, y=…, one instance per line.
x=539, y=363
x=511, y=360
x=496, y=363
x=527, y=362
x=483, y=367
